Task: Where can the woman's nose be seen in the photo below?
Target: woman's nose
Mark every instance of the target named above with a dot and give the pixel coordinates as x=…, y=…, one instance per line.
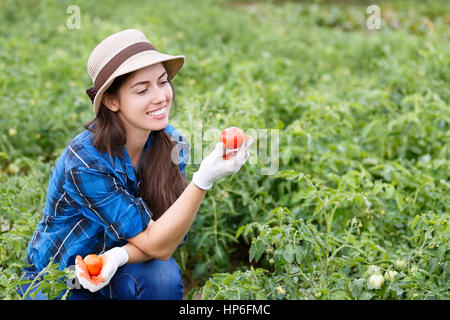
x=158, y=96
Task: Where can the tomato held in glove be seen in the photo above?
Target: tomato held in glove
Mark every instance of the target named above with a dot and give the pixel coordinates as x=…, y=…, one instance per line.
x=93, y=263
x=232, y=138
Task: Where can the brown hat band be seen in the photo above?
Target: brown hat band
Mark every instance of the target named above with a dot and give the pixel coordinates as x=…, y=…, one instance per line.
x=114, y=63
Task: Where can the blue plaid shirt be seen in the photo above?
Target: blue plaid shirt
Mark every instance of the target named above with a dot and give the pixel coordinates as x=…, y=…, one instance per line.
x=92, y=203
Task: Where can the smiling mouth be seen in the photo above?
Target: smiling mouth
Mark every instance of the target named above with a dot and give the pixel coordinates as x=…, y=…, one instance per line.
x=158, y=113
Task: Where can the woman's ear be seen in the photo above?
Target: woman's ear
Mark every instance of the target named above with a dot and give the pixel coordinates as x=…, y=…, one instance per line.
x=110, y=102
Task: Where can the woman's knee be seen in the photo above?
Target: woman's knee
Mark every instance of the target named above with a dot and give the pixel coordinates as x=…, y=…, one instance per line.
x=154, y=279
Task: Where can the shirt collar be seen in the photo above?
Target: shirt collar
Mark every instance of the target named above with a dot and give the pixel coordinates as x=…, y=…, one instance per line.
x=124, y=165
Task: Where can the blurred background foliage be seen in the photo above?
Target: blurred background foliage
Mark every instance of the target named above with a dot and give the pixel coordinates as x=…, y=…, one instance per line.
x=362, y=114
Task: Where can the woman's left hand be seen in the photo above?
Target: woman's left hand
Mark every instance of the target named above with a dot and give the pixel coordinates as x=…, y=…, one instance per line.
x=111, y=261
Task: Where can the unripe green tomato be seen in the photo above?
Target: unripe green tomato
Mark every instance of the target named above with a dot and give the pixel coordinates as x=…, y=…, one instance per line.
x=373, y=269
x=400, y=263
x=13, y=168
x=390, y=275
x=376, y=281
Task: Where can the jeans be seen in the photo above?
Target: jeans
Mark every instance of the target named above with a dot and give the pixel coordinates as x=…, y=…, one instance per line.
x=151, y=280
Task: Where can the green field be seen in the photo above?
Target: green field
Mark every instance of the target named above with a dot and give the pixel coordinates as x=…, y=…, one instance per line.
x=362, y=187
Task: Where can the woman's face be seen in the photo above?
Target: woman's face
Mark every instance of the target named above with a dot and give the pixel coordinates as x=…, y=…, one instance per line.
x=146, y=90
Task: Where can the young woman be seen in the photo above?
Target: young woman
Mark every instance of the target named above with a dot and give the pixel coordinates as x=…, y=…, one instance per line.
x=118, y=189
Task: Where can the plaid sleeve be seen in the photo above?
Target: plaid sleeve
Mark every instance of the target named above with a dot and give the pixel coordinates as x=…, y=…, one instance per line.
x=104, y=200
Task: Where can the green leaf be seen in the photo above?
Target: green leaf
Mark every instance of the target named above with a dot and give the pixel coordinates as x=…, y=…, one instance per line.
x=228, y=279
x=4, y=155
x=220, y=254
x=260, y=247
x=367, y=295
x=370, y=162
x=378, y=187
x=414, y=222
x=239, y=231
x=356, y=287
x=299, y=254
x=396, y=290
x=251, y=252
x=399, y=200
x=433, y=263
x=390, y=191
x=260, y=295
x=288, y=174
x=248, y=229
x=288, y=253
x=339, y=295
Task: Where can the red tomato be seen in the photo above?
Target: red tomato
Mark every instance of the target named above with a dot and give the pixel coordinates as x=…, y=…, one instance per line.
x=232, y=137
x=93, y=263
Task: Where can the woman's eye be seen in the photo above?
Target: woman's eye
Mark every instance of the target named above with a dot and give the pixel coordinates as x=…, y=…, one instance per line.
x=143, y=91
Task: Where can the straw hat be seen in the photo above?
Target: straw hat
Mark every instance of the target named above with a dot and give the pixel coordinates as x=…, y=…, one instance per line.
x=124, y=52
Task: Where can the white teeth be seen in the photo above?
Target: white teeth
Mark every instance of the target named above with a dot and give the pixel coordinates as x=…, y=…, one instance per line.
x=159, y=112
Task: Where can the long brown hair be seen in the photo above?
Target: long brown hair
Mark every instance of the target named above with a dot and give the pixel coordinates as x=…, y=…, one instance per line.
x=161, y=181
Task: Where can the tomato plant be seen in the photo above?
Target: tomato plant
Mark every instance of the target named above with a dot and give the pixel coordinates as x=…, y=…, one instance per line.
x=362, y=188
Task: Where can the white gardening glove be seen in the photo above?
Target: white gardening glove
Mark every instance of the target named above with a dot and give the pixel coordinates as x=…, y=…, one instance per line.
x=111, y=261
x=214, y=167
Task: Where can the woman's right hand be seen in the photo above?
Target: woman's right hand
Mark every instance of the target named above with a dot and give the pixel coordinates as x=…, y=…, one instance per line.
x=214, y=167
